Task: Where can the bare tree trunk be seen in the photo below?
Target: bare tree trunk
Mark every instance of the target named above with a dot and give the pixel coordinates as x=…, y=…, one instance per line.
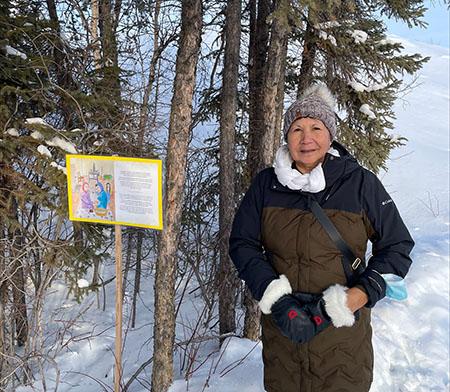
x=179, y=133
x=137, y=276
x=151, y=76
x=259, y=38
x=63, y=72
x=110, y=83
x=227, y=279
x=38, y=260
x=94, y=33
x=3, y=300
x=308, y=57
x=17, y=274
x=280, y=101
x=252, y=316
x=275, y=61
x=274, y=71
x=19, y=300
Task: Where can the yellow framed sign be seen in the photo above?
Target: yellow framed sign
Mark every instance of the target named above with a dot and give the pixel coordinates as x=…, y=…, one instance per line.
x=115, y=190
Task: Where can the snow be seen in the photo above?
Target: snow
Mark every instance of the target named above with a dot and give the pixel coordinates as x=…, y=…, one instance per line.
x=36, y=121
x=63, y=144
x=377, y=86
x=359, y=87
x=327, y=25
x=411, y=337
x=359, y=36
x=59, y=167
x=365, y=108
x=37, y=135
x=389, y=41
x=12, y=132
x=323, y=35
x=44, y=151
x=14, y=52
x=82, y=283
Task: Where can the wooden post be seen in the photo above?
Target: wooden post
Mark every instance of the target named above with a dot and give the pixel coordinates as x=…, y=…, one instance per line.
x=119, y=280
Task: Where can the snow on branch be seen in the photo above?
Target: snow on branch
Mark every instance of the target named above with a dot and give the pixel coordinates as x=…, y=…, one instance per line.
x=359, y=87
x=388, y=41
x=44, y=151
x=82, y=283
x=63, y=144
x=327, y=25
x=12, y=132
x=323, y=35
x=37, y=135
x=365, y=108
x=37, y=121
x=359, y=36
x=10, y=51
x=59, y=167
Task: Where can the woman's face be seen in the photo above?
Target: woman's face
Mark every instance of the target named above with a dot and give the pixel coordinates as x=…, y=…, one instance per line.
x=308, y=142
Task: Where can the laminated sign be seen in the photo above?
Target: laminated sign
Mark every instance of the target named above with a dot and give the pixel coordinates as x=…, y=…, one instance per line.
x=115, y=190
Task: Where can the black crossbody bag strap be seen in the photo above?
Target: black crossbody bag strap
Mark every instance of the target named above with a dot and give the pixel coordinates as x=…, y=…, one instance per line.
x=353, y=266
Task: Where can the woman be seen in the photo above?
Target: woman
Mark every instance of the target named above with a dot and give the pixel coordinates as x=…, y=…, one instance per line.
x=319, y=342
x=86, y=202
x=102, y=196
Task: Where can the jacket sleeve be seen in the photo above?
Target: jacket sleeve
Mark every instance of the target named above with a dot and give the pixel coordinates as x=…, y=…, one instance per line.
x=245, y=246
x=391, y=241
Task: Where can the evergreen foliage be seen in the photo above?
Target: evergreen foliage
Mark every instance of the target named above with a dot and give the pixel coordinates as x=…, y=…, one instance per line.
x=32, y=150
x=350, y=52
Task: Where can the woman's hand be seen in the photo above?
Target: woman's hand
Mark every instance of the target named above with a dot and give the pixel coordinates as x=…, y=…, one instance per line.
x=300, y=316
x=356, y=299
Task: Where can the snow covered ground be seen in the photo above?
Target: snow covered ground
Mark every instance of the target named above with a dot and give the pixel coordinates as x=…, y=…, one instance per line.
x=411, y=338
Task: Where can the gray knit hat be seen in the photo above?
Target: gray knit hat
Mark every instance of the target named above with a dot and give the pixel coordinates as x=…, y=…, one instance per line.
x=317, y=102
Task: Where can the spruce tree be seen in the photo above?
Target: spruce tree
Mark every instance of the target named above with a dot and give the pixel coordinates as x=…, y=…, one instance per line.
x=344, y=44
x=33, y=147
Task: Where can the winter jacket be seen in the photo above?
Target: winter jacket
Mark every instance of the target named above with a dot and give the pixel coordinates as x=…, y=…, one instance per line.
x=274, y=232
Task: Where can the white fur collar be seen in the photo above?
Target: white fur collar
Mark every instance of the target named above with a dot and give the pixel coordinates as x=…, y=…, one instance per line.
x=310, y=182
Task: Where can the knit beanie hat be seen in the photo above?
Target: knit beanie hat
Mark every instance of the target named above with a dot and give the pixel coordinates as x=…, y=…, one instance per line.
x=317, y=102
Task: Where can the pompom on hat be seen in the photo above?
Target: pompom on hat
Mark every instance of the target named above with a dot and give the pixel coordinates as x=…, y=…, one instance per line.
x=317, y=102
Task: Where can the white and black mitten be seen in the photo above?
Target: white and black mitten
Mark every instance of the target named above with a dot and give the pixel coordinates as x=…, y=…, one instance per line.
x=274, y=291
x=335, y=299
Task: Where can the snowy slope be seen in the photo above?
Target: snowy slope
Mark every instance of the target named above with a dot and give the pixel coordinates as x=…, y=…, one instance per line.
x=411, y=338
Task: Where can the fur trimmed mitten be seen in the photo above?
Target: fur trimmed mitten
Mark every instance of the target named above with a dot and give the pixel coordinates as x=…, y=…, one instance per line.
x=300, y=316
x=335, y=299
x=274, y=291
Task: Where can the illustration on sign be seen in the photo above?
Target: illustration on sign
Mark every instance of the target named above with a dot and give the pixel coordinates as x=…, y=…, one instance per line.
x=115, y=190
x=92, y=185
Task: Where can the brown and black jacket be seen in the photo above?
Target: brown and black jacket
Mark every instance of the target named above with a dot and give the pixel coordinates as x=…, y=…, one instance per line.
x=274, y=232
